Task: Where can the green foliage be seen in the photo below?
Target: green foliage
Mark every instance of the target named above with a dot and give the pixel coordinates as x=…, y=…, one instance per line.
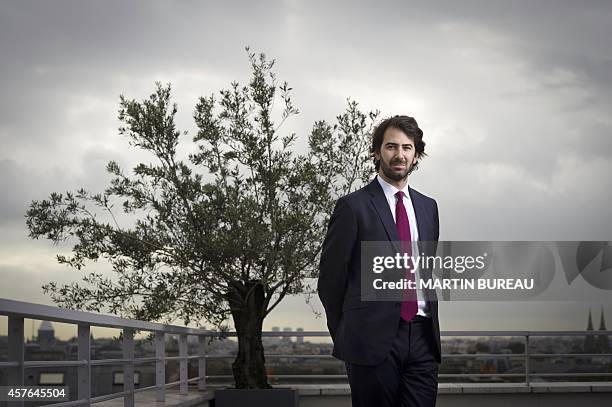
x=244, y=207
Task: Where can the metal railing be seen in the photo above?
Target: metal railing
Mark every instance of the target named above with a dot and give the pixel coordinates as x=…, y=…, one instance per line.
x=527, y=355
x=15, y=366
x=17, y=311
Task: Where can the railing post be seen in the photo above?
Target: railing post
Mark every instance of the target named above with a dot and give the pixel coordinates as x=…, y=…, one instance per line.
x=160, y=366
x=128, y=367
x=202, y=362
x=527, y=357
x=15, y=353
x=84, y=371
x=183, y=364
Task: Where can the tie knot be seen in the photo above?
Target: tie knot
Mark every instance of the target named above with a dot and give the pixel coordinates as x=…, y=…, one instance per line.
x=399, y=194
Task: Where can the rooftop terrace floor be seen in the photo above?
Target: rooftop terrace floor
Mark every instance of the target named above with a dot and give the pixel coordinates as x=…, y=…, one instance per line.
x=449, y=394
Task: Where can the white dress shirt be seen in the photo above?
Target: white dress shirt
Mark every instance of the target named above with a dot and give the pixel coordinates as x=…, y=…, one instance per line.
x=390, y=192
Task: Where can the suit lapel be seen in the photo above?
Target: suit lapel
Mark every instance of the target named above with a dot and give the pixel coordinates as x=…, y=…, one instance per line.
x=384, y=213
x=382, y=208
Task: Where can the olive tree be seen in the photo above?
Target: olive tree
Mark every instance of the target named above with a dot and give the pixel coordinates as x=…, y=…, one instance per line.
x=228, y=230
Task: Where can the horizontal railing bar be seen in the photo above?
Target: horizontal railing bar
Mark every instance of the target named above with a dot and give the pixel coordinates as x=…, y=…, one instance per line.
x=569, y=333
x=481, y=374
x=523, y=333
x=100, y=362
x=110, y=396
x=442, y=375
x=550, y=355
x=329, y=376
x=485, y=333
x=53, y=363
x=145, y=360
x=9, y=364
x=49, y=313
x=569, y=374
x=94, y=362
x=190, y=357
x=270, y=334
x=299, y=356
x=173, y=383
x=229, y=355
x=140, y=389
x=167, y=384
x=483, y=355
x=222, y=356
x=303, y=376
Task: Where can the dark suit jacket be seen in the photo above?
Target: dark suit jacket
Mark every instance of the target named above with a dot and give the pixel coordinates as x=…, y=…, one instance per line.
x=363, y=331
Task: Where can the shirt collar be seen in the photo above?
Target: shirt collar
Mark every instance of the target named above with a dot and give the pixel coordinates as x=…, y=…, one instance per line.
x=391, y=190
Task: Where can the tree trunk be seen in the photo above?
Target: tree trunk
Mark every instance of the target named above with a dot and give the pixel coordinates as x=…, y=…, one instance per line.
x=246, y=303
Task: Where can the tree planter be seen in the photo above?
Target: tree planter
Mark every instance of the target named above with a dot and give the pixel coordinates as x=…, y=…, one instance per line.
x=280, y=397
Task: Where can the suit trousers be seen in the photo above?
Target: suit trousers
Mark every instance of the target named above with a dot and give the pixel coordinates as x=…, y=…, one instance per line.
x=408, y=377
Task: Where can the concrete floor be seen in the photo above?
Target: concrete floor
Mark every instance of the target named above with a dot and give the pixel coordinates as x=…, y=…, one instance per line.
x=173, y=398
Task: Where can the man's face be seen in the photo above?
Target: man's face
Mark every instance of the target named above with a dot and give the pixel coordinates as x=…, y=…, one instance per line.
x=397, y=155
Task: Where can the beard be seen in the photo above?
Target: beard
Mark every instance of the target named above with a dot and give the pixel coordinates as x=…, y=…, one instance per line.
x=394, y=174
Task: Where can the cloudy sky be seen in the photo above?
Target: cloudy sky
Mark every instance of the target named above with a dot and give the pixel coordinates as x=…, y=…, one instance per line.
x=514, y=99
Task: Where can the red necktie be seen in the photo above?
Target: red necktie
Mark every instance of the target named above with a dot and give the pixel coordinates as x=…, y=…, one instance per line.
x=409, y=305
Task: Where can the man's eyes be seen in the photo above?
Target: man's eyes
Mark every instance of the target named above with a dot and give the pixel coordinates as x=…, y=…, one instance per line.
x=393, y=147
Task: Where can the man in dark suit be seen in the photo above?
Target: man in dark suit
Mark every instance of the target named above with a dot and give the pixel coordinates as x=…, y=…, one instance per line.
x=391, y=348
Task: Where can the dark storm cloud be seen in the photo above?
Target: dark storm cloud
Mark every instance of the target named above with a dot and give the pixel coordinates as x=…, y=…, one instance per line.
x=22, y=183
x=16, y=183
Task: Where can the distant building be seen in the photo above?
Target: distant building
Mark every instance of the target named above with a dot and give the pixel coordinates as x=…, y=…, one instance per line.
x=596, y=343
x=279, y=338
x=602, y=340
x=46, y=333
x=589, y=340
x=299, y=339
x=287, y=338
x=269, y=341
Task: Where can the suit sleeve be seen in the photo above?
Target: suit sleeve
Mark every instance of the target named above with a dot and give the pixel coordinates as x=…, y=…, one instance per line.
x=335, y=258
x=436, y=222
x=436, y=227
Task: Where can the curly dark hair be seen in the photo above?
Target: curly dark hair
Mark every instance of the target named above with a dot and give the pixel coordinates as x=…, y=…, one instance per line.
x=406, y=124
